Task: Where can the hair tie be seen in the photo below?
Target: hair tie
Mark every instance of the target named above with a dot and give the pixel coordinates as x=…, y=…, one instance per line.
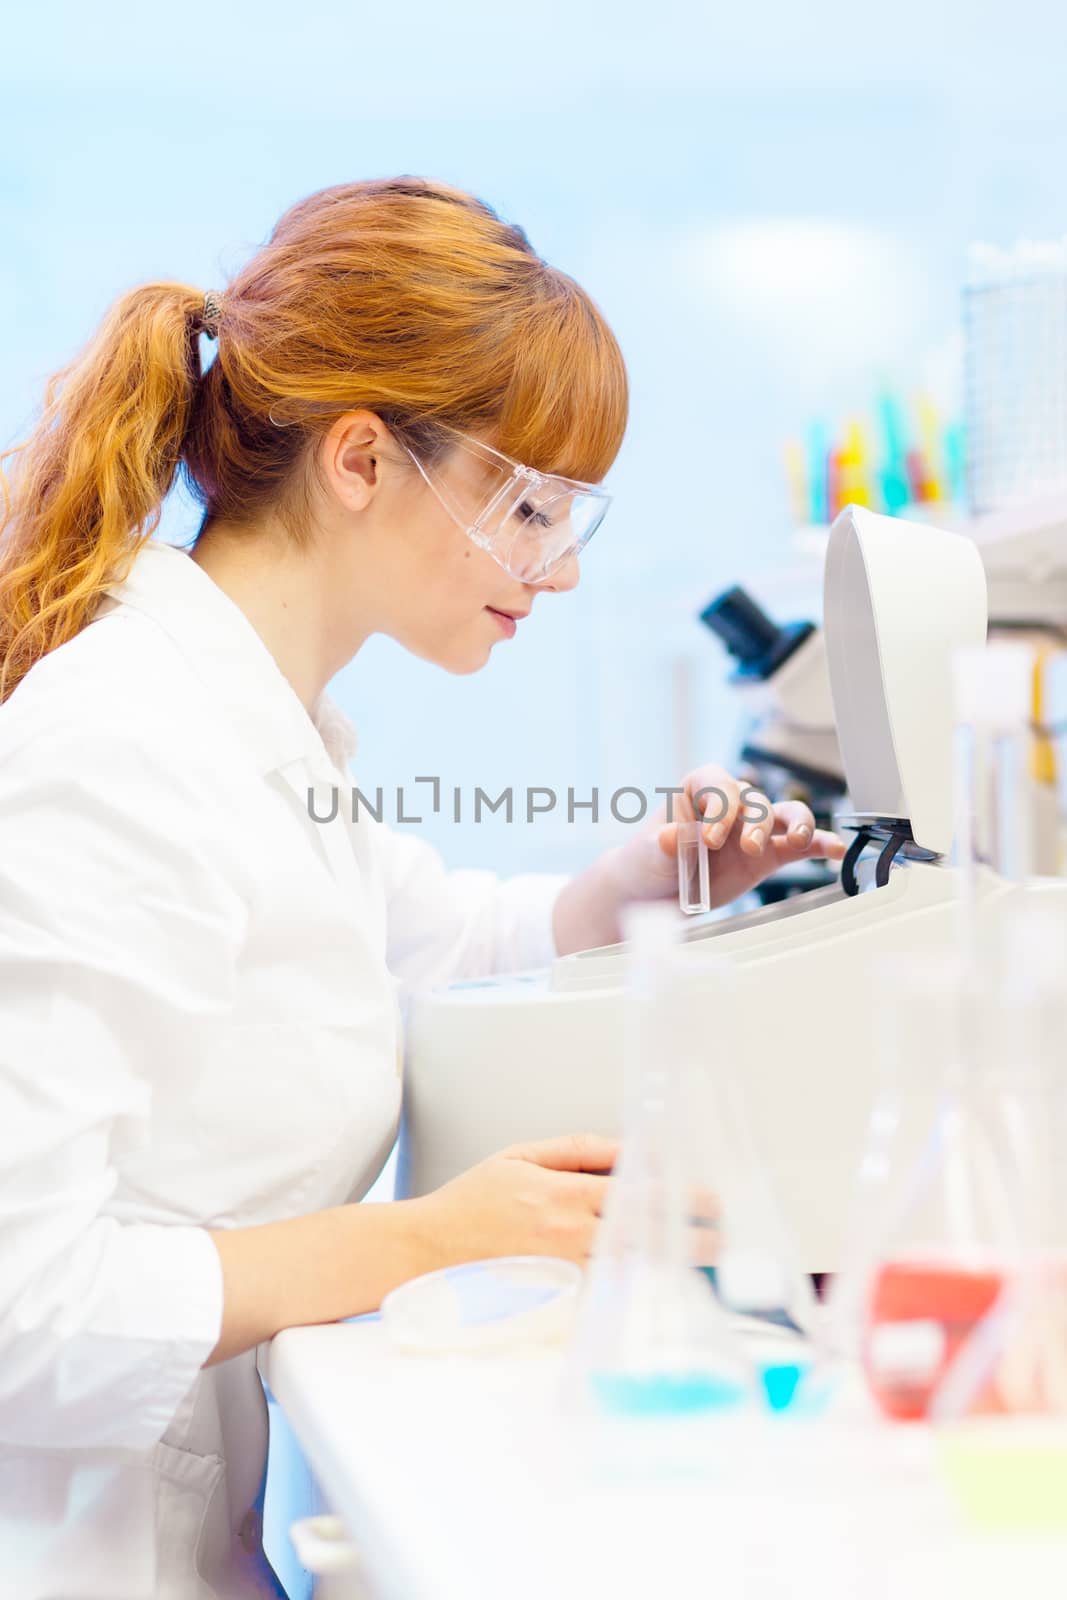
x=209, y=317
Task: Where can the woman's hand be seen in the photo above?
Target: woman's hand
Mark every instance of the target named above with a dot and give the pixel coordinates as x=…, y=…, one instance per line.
x=749, y=839
x=531, y=1199
x=748, y=836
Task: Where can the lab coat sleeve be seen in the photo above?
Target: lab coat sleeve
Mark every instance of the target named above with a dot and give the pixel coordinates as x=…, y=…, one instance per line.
x=444, y=925
x=117, y=945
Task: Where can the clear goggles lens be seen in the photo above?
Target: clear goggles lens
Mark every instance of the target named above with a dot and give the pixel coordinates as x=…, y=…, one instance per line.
x=530, y=522
x=539, y=527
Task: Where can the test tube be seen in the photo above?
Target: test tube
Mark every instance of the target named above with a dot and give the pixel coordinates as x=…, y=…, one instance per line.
x=694, y=877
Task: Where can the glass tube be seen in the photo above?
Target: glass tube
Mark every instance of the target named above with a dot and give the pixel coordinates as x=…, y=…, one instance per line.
x=694, y=870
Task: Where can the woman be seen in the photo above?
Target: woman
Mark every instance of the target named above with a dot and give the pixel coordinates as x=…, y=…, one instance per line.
x=199, y=1063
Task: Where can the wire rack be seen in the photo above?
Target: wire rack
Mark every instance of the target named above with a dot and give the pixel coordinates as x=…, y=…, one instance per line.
x=1015, y=331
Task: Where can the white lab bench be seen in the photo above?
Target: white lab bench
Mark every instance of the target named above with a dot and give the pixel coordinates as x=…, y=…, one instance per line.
x=457, y=1481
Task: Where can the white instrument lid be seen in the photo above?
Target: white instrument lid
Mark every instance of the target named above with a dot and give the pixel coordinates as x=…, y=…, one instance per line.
x=900, y=598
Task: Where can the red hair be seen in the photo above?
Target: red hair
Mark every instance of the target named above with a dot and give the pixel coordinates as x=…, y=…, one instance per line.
x=404, y=296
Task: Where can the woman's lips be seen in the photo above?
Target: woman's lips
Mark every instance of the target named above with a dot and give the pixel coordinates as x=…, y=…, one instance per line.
x=504, y=621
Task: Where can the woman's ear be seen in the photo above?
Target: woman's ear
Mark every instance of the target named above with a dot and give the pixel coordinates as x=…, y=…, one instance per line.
x=350, y=458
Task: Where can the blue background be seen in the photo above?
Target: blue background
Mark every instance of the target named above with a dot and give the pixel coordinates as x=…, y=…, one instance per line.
x=773, y=209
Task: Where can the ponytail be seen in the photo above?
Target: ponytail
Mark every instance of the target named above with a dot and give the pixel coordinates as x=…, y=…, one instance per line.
x=89, y=483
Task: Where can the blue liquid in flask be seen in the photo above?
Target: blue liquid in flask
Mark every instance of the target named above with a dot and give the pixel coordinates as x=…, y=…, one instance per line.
x=666, y=1394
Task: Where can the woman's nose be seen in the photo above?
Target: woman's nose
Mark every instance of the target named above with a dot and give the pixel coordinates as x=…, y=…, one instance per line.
x=562, y=578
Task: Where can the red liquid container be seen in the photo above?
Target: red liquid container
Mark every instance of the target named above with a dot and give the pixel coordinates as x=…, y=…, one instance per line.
x=919, y=1315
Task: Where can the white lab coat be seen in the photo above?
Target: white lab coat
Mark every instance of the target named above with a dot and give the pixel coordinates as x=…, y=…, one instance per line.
x=199, y=1027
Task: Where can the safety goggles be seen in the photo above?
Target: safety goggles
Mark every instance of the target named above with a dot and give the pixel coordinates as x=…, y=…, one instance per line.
x=529, y=522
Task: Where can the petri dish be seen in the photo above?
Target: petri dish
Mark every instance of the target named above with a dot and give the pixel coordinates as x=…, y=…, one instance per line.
x=507, y=1304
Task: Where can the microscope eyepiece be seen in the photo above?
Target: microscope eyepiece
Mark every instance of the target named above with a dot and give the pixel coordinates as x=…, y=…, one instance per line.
x=757, y=644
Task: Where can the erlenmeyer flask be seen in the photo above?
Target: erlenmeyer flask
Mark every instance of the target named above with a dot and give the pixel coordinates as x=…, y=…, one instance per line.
x=950, y=1237
x=651, y=1338
x=932, y=1229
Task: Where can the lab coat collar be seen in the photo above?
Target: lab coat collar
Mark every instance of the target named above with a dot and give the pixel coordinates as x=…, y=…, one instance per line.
x=223, y=647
